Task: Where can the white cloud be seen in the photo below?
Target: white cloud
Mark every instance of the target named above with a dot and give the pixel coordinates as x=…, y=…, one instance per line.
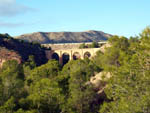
x=2, y=1
x=7, y=1
x=10, y=25
x=12, y=8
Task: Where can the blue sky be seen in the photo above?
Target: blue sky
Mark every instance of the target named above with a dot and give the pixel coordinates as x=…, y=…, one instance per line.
x=117, y=17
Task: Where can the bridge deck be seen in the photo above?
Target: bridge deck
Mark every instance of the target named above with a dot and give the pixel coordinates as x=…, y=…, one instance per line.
x=65, y=46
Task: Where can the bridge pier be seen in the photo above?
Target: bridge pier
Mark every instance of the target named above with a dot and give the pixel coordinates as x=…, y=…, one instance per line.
x=60, y=60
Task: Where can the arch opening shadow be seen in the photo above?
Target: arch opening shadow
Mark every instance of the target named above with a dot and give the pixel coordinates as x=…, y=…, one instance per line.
x=76, y=56
x=55, y=56
x=87, y=55
x=65, y=58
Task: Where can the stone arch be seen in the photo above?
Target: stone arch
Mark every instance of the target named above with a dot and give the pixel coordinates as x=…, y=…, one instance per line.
x=76, y=55
x=55, y=56
x=87, y=54
x=65, y=58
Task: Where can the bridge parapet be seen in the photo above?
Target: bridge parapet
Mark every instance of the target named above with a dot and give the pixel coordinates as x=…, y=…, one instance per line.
x=63, y=46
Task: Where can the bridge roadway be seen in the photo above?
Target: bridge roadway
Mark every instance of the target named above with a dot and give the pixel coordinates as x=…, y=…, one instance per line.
x=68, y=45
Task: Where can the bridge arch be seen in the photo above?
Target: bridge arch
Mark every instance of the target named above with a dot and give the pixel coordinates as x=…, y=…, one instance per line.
x=87, y=54
x=55, y=56
x=76, y=55
x=71, y=54
x=65, y=58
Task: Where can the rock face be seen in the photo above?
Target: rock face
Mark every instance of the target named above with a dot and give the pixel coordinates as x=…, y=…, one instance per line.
x=8, y=55
x=99, y=81
x=65, y=37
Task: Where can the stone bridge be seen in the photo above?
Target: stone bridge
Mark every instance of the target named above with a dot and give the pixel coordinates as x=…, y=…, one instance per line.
x=64, y=55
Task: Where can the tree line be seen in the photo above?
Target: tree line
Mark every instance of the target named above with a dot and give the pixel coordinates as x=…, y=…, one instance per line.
x=51, y=88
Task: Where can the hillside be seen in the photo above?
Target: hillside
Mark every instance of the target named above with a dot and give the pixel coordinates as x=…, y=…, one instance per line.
x=10, y=46
x=65, y=37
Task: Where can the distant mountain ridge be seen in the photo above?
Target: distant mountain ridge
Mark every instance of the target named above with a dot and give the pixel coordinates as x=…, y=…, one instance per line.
x=65, y=37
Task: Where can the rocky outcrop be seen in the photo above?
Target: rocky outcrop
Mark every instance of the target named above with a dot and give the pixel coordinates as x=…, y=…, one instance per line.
x=1, y=62
x=6, y=55
x=65, y=37
x=99, y=81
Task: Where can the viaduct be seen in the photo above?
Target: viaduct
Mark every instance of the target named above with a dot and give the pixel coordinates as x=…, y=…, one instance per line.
x=64, y=55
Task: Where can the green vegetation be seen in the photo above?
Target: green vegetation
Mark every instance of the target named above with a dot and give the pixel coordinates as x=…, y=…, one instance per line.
x=51, y=88
x=93, y=45
x=128, y=61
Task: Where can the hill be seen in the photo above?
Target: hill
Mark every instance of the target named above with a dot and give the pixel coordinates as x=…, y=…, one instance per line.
x=65, y=37
x=20, y=49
